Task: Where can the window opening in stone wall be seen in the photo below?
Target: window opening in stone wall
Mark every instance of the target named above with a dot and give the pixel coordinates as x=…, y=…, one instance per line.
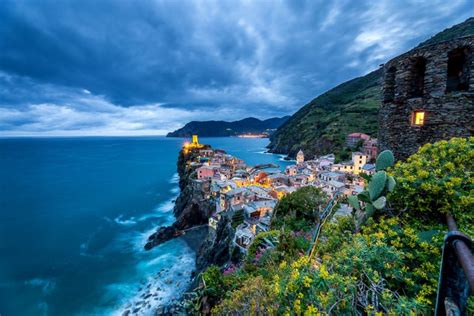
x=418, y=118
x=389, y=93
x=458, y=70
x=417, y=78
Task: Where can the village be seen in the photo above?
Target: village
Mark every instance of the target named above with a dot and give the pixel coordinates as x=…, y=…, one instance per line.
x=248, y=194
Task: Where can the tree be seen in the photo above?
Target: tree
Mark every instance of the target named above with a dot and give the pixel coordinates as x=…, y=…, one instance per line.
x=300, y=209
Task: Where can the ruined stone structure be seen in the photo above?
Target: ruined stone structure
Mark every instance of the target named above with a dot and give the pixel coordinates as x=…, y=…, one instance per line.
x=428, y=95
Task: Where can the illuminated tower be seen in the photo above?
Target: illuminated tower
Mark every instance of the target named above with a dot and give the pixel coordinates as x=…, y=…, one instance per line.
x=195, y=140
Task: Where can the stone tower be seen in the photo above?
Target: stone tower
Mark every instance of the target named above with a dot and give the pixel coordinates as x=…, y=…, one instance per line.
x=300, y=157
x=428, y=95
x=195, y=140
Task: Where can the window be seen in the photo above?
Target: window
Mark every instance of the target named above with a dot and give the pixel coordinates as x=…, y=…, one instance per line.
x=458, y=70
x=417, y=78
x=389, y=89
x=418, y=118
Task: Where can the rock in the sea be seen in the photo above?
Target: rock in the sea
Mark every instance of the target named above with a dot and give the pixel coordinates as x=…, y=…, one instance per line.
x=162, y=235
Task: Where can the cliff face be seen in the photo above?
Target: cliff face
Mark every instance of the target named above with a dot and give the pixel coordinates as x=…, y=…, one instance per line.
x=192, y=208
x=216, y=248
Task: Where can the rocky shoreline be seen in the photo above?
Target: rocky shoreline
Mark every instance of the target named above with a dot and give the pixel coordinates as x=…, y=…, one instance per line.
x=192, y=210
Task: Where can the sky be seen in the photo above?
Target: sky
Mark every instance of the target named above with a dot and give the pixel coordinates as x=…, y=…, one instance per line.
x=115, y=67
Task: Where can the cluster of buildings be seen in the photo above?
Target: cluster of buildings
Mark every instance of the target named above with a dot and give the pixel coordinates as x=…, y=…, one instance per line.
x=249, y=194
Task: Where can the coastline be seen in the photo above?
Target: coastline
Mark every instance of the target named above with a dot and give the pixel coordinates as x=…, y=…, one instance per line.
x=196, y=203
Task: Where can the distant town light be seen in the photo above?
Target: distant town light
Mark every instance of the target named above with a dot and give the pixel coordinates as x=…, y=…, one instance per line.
x=419, y=118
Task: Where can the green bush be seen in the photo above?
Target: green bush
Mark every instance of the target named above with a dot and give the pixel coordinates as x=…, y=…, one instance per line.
x=436, y=180
x=299, y=210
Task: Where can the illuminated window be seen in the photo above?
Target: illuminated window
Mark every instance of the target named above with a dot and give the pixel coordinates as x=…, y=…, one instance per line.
x=418, y=118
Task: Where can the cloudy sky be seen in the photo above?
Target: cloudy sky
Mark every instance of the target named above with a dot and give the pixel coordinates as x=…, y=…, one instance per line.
x=147, y=67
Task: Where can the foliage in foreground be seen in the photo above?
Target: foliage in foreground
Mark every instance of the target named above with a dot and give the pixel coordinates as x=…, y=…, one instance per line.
x=389, y=266
x=438, y=179
x=298, y=210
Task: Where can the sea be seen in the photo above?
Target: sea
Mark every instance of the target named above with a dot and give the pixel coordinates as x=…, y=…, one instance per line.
x=75, y=214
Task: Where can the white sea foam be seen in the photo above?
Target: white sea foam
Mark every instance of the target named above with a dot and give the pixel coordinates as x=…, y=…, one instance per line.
x=46, y=285
x=161, y=274
x=175, y=190
x=120, y=221
x=174, y=178
x=285, y=158
x=162, y=277
x=164, y=208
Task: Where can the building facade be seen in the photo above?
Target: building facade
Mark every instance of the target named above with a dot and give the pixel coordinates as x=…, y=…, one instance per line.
x=428, y=95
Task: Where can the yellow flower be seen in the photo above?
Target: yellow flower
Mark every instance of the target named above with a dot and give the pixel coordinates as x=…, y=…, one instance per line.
x=297, y=306
x=294, y=275
x=311, y=311
x=323, y=273
x=307, y=281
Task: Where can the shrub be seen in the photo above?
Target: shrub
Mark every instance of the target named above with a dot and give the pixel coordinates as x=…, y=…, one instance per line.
x=255, y=297
x=300, y=209
x=436, y=180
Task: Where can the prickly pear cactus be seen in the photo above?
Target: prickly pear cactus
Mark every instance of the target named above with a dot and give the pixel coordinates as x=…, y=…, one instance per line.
x=373, y=198
x=384, y=160
x=377, y=184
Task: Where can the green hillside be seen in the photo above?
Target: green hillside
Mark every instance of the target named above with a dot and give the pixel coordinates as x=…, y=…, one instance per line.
x=320, y=127
x=459, y=30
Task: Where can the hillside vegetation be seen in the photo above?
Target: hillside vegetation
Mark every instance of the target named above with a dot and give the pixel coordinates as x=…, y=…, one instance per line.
x=320, y=127
x=382, y=260
x=248, y=125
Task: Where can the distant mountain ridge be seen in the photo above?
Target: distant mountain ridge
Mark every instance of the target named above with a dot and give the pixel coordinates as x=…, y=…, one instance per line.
x=320, y=127
x=250, y=125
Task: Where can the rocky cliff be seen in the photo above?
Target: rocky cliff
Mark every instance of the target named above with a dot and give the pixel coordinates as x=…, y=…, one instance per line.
x=217, y=247
x=192, y=208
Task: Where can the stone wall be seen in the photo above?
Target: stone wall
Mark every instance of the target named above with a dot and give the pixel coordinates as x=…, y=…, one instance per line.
x=417, y=81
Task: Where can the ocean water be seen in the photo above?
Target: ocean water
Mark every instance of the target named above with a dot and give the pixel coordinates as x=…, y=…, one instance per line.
x=75, y=214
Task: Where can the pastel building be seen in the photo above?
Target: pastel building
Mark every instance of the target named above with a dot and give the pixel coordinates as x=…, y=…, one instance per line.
x=353, y=139
x=205, y=172
x=354, y=166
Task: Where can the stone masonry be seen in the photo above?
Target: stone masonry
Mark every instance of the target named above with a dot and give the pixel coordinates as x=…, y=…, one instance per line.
x=438, y=82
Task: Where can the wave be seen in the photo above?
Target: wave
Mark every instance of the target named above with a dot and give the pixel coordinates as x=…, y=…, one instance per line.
x=285, y=158
x=175, y=178
x=175, y=190
x=163, y=210
x=162, y=275
x=46, y=285
x=120, y=221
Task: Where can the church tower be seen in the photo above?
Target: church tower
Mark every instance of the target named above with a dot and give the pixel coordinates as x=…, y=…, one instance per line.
x=300, y=157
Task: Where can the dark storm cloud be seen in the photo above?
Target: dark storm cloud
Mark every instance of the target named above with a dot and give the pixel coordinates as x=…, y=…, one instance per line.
x=111, y=62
